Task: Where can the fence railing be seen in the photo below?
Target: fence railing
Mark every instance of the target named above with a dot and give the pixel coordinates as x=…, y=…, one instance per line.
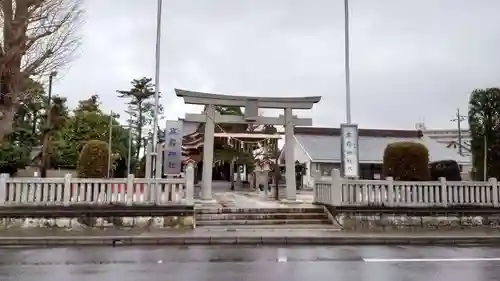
x=338, y=191
x=70, y=190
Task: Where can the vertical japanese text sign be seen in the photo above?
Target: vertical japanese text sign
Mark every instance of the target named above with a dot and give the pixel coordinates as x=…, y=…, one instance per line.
x=173, y=147
x=349, y=150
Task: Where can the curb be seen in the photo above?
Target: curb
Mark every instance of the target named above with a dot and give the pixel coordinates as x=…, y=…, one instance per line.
x=55, y=241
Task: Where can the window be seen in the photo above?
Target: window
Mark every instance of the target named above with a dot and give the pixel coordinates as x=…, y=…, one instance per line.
x=325, y=169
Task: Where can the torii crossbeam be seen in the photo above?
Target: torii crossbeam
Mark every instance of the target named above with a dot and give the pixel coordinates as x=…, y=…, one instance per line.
x=251, y=104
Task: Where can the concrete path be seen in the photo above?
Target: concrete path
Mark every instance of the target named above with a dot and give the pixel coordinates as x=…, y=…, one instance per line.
x=241, y=199
x=245, y=198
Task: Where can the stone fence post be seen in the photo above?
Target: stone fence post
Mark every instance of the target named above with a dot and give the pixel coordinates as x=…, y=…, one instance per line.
x=336, y=189
x=494, y=191
x=4, y=189
x=189, y=183
x=68, y=191
x=391, y=196
x=130, y=189
x=444, y=191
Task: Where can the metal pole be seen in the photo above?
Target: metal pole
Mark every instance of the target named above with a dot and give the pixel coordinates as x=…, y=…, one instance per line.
x=157, y=82
x=347, y=63
x=459, y=120
x=277, y=172
x=46, y=134
x=129, y=154
x=129, y=149
x=49, y=101
x=109, y=141
x=485, y=160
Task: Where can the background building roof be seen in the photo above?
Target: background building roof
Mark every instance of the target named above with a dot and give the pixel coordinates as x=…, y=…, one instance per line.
x=323, y=145
x=319, y=131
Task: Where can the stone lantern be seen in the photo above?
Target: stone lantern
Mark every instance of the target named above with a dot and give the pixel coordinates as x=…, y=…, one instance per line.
x=256, y=174
x=266, y=165
x=262, y=168
x=189, y=174
x=258, y=167
x=190, y=164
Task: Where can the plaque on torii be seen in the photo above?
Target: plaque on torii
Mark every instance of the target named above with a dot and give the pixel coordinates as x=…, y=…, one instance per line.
x=251, y=105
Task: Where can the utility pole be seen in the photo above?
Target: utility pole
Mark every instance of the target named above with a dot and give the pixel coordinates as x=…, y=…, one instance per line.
x=110, y=147
x=485, y=158
x=129, y=155
x=47, y=131
x=459, y=118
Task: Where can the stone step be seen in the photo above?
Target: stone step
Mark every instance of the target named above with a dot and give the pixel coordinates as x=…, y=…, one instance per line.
x=261, y=222
x=259, y=210
x=260, y=216
x=249, y=227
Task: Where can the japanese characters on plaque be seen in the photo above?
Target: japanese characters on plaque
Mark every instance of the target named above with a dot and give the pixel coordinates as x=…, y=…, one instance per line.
x=172, y=153
x=349, y=150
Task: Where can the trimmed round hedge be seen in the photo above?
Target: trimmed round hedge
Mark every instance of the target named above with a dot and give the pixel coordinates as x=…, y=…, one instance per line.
x=93, y=160
x=406, y=161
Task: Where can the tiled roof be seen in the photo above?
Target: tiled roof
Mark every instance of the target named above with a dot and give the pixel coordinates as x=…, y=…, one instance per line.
x=318, y=131
x=372, y=143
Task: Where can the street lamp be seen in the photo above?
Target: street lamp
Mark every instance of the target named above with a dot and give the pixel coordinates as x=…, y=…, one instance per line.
x=49, y=101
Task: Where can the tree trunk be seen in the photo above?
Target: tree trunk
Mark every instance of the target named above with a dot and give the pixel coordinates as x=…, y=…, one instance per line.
x=231, y=174
x=238, y=177
x=44, y=165
x=7, y=113
x=35, y=119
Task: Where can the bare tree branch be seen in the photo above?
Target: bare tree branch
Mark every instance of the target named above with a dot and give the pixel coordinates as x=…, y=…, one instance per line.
x=51, y=39
x=39, y=36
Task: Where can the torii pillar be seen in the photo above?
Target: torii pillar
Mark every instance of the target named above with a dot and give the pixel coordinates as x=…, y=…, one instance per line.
x=251, y=104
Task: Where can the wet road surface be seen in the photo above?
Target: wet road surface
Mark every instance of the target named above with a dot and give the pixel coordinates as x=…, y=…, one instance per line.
x=233, y=263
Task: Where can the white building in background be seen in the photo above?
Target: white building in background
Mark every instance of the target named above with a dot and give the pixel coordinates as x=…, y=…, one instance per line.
x=448, y=137
x=319, y=149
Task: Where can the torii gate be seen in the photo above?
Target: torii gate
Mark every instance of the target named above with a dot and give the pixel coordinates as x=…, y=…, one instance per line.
x=251, y=104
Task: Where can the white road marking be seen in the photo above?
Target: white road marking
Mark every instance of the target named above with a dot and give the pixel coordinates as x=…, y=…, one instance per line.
x=282, y=256
x=282, y=259
x=375, y=260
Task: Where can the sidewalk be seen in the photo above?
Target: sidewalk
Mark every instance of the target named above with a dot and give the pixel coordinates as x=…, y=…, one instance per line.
x=115, y=237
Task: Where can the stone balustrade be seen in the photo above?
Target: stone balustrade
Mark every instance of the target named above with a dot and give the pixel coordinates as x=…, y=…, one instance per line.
x=337, y=191
x=70, y=190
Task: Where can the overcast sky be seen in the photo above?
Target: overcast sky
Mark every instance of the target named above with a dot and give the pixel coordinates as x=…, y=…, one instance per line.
x=410, y=59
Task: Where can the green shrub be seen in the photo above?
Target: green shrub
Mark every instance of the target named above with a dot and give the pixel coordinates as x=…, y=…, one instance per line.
x=93, y=160
x=406, y=161
x=448, y=169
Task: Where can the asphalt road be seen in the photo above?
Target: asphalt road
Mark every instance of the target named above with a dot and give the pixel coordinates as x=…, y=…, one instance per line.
x=251, y=263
